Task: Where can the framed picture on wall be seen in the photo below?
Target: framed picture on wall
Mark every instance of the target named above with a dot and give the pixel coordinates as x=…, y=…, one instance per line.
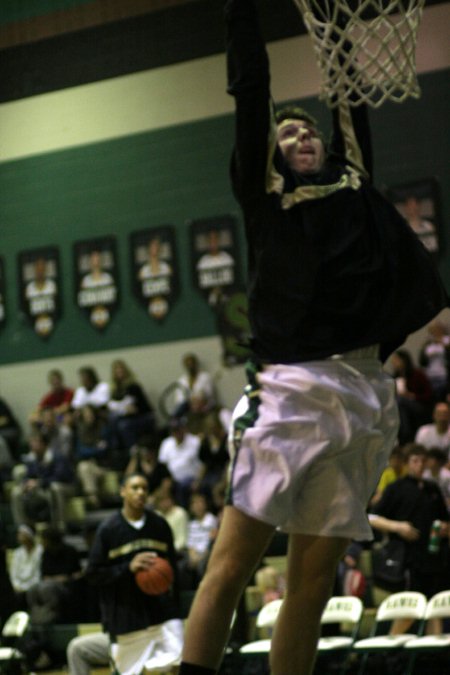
x=96, y=279
x=419, y=203
x=214, y=256
x=154, y=269
x=40, y=288
x=2, y=292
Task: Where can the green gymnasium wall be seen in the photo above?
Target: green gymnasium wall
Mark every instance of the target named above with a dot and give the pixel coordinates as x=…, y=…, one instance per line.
x=169, y=176
x=17, y=10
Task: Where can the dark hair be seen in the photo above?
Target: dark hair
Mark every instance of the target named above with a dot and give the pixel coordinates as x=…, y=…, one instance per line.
x=292, y=112
x=89, y=372
x=406, y=357
x=437, y=454
x=37, y=432
x=414, y=449
x=134, y=474
x=52, y=535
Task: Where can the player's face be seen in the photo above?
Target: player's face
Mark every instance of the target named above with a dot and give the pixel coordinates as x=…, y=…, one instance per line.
x=301, y=145
x=134, y=493
x=416, y=465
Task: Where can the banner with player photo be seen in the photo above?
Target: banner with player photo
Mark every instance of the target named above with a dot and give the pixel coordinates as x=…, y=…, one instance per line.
x=96, y=279
x=214, y=255
x=154, y=269
x=2, y=293
x=40, y=288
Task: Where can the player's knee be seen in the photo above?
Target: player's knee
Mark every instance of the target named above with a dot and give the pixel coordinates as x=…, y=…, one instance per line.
x=226, y=574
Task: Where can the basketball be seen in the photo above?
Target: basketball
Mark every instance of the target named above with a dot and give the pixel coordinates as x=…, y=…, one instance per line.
x=157, y=579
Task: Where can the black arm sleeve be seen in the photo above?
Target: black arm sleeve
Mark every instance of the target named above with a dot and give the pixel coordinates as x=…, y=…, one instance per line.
x=248, y=82
x=100, y=571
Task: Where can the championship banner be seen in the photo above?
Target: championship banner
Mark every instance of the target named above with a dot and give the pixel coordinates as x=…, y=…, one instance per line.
x=154, y=269
x=39, y=288
x=96, y=279
x=2, y=293
x=214, y=255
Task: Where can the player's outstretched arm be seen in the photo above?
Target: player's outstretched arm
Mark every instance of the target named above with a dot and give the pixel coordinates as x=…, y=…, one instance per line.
x=248, y=82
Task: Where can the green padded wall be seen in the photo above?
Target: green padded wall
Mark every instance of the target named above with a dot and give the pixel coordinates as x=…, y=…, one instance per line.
x=168, y=177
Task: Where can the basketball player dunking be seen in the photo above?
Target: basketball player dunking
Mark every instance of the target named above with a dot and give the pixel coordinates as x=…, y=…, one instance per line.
x=337, y=280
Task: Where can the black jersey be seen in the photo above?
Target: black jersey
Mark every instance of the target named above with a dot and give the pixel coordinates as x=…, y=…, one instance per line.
x=419, y=502
x=332, y=266
x=125, y=608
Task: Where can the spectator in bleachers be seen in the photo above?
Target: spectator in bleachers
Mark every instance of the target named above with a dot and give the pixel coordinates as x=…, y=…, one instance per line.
x=47, y=482
x=6, y=462
x=180, y=452
x=91, y=452
x=176, y=516
x=49, y=599
x=197, y=395
x=144, y=459
x=202, y=530
x=406, y=511
x=10, y=429
x=213, y=455
x=58, y=398
x=8, y=600
x=435, y=359
x=130, y=413
x=60, y=435
x=91, y=391
x=395, y=470
x=436, y=434
x=25, y=566
x=54, y=598
x=414, y=395
x=270, y=583
x=438, y=471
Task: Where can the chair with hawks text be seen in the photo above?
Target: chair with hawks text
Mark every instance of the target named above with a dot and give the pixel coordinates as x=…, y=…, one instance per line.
x=403, y=605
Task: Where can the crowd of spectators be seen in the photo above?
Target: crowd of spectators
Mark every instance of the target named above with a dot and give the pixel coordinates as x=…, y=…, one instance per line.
x=77, y=436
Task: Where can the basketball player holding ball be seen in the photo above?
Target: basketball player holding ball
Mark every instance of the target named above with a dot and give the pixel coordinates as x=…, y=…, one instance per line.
x=132, y=560
x=337, y=280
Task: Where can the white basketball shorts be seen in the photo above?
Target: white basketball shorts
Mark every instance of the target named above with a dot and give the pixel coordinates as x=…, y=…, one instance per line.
x=308, y=443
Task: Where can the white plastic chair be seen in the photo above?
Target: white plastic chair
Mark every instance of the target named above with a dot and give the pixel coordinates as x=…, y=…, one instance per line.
x=340, y=609
x=403, y=605
x=14, y=628
x=266, y=618
x=438, y=607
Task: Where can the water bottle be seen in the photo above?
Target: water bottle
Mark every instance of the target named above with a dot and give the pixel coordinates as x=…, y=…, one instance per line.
x=434, y=541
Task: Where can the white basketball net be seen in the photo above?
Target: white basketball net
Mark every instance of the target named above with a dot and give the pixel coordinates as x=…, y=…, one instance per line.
x=365, y=49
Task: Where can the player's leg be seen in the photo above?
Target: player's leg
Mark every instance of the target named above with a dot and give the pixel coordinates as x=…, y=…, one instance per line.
x=312, y=563
x=87, y=651
x=239, y=546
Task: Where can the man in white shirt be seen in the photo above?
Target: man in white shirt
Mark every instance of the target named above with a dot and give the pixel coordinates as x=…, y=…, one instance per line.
x=437, y=434
x=92, y=391
x=438, y=472
x=180, y=452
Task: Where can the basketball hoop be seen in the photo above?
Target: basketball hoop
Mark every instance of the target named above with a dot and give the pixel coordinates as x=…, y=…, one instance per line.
x=365, y=49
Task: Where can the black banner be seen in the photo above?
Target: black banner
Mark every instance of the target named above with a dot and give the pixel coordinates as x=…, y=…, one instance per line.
x=2, y=292
x=154, y=269
x=96, y=279
x=40, y=288
x=214, y=255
